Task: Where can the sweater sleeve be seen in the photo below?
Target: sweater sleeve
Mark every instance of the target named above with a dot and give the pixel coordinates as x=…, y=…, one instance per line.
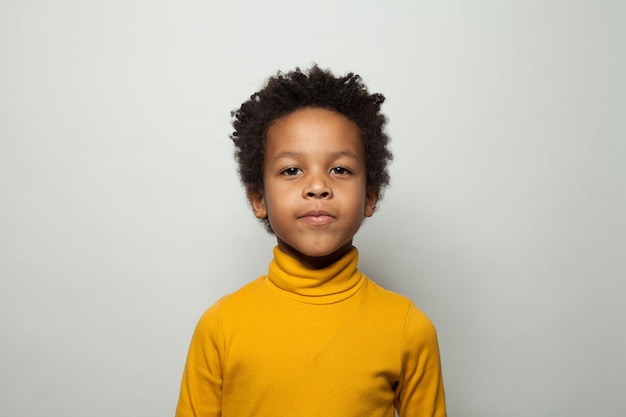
x=420, y=390
x=201, y=387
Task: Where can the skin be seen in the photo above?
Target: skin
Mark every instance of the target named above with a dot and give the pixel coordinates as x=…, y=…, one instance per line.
x=315, y=193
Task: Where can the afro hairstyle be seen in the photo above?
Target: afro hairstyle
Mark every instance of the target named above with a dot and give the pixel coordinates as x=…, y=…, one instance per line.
x=285, y=93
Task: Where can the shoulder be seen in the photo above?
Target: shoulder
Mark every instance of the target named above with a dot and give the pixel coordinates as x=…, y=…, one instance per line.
x=233, y=301
x=390, y=298
x=245, y=295
x=235, y=307
x=414, y=318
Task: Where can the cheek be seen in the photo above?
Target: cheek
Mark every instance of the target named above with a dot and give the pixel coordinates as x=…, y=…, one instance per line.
x=277, y=202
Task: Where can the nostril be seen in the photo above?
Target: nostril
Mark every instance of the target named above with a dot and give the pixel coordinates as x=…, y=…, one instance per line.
x=317, y=192
x=312, y=194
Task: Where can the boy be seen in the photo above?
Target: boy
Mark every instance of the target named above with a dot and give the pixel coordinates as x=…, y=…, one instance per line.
x=314, y=337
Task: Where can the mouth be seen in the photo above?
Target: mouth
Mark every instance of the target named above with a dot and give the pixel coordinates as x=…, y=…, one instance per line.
x=317, y=218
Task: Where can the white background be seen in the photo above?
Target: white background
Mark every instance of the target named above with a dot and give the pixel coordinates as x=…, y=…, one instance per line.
x=122, y=219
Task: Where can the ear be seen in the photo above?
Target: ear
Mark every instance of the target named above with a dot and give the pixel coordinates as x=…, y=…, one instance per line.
x=371, y=198
x=257, y=201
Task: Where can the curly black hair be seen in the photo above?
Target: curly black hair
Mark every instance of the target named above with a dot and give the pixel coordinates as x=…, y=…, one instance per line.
x=285, y=93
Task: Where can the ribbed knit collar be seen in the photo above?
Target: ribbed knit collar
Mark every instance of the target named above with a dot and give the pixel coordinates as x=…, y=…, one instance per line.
x=336, y=282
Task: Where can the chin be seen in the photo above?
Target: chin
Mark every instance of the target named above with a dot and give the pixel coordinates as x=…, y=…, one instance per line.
x=316, y=252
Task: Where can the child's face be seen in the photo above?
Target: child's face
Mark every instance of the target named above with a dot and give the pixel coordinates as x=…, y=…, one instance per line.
x=314, y=185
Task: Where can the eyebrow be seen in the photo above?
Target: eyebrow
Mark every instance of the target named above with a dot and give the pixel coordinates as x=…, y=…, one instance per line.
x=293, y=154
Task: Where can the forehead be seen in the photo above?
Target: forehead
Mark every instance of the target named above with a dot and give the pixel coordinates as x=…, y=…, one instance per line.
x=314, y=129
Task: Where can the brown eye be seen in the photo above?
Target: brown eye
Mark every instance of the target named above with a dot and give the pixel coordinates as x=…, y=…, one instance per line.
x=291, y=171
x=340, y=171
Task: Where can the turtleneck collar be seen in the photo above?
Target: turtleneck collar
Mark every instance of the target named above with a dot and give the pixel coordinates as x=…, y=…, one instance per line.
x=336, y=282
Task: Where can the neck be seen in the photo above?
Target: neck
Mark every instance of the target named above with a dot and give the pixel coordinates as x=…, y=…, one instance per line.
x=315, y=262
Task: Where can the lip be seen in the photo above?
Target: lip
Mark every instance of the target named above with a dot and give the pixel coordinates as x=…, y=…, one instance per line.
x=317, y=217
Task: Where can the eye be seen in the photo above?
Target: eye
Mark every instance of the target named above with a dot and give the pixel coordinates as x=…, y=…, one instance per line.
x=340, y=171
x=291, y=171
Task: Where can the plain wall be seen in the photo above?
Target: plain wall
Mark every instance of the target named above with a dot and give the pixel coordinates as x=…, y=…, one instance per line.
x=122, y=219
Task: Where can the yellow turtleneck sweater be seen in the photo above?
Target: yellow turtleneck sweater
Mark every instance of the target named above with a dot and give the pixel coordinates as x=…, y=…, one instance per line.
x=318, y=343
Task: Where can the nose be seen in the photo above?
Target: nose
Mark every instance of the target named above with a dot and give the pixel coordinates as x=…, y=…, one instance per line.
x=317, y=187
